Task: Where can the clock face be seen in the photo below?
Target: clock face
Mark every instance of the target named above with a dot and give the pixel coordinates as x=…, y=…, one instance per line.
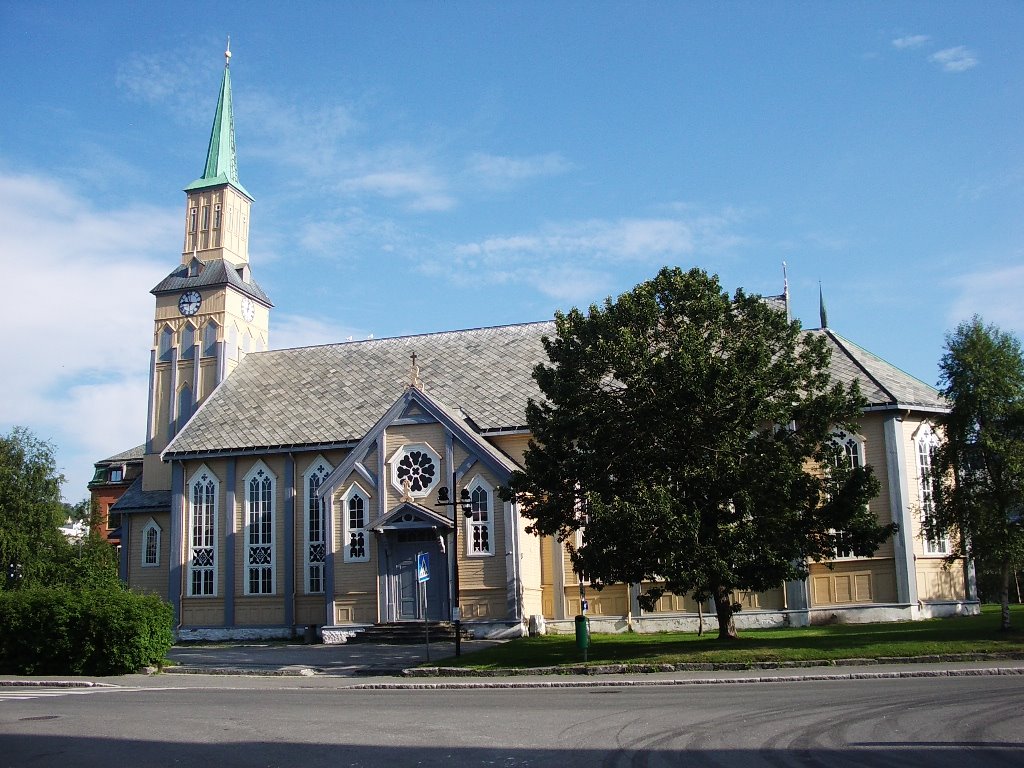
x=248, y=309
x=189, y=303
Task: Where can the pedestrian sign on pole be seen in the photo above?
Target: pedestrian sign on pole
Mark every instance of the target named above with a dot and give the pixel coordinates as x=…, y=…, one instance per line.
x=422, y=567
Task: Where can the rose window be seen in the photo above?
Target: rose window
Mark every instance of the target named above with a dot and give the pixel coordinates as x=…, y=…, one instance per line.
x=418, y=468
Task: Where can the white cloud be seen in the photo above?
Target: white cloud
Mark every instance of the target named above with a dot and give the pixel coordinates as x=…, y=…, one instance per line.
x=172, y=81
x=423, y=190
x=309, y=138
x=910, y=41
x=958, y=59
x=77, y=318
x=994, y=294
x=610, y=241
x=290, y=331
x=576, y=261
x=502, y=169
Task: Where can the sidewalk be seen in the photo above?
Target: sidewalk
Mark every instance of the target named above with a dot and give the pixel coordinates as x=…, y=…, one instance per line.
x=356, y=659
x=363, y=666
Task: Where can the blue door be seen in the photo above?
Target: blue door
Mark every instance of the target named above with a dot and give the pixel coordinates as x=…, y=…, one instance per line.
x=409, y=599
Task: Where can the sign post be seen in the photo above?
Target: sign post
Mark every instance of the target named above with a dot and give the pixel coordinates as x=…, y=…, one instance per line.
x=423, y=576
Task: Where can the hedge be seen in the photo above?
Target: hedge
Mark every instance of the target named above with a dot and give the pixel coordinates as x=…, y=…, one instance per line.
x=99, y=631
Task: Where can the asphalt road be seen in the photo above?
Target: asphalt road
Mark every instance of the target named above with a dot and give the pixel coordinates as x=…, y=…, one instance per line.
x=958, y=722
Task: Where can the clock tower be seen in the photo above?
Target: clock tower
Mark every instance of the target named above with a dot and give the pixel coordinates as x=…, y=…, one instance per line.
x=209, y=311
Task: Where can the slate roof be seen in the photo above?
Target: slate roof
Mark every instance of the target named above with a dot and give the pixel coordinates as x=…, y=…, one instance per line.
x=132, y=454
x=882, y=383
x=137, y=500
x=335, y=394
x=214, y=272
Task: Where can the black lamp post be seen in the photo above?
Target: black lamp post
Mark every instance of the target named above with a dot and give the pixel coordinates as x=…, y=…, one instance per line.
x=466, y=505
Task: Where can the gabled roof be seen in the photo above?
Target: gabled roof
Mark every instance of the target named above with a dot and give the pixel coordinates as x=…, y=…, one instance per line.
x=457, y=424
x=132, y=454
x=215, y=272
x=335, y=394
x=883, y=384
x=221, y=160
x=419, y=516
x=137, y=500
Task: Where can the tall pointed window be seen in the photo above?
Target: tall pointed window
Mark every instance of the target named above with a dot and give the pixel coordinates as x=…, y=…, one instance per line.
x=165, y=346
x=927, y=442
x=259, y=530
x=203, y=490
x=480, y=525
x=210, y=338
x=851, y=454
x=185, y=405
x=356, y=511
x=316, y=526
x=188, y=341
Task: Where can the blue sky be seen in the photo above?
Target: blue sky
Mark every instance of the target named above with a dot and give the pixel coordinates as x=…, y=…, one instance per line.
x=428, y=166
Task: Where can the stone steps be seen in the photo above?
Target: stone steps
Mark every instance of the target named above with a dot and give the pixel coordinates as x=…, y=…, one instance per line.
x=407, y=633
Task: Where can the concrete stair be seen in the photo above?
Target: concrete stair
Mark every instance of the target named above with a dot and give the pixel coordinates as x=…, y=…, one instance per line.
x=408, y=633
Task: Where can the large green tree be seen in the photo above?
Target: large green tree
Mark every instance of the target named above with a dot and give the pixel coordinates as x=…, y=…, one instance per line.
x=689, y=434
x=30, y=509
x=979, y=464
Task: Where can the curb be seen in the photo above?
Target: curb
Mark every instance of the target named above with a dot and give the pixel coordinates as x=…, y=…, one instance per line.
x=54, y=684
x=626, y=669
x=994, y=671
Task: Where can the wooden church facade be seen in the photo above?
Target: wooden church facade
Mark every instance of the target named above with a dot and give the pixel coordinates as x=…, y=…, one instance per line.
x=288, y=488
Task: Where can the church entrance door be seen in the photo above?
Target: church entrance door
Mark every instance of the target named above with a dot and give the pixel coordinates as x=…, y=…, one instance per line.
x=407, y=589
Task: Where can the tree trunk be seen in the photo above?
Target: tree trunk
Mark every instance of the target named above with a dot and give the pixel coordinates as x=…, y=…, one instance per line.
x=723, y=607
x=1004, y=597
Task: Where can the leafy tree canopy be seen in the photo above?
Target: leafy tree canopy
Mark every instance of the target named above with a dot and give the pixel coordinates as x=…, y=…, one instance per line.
x=979, y=465
x=33, y=551
x=681, y=430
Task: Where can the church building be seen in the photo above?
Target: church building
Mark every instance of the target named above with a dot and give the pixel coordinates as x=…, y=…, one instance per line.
x=319, y=485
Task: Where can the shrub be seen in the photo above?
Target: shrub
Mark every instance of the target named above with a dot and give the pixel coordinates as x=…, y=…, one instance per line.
x=96, y=631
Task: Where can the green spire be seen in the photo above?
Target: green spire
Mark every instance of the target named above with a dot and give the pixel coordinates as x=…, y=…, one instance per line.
x=221, y=161
x=822, y=313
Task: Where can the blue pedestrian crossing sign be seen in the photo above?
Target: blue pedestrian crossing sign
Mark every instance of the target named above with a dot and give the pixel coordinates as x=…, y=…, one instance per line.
x=422, y=567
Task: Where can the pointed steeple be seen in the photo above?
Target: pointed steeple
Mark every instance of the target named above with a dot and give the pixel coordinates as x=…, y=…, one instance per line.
x=221, y=160
x=822, y=314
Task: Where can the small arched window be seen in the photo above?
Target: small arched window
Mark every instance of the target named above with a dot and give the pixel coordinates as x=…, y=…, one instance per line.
x=151, y=545
x=356, y=511
x=480, y=525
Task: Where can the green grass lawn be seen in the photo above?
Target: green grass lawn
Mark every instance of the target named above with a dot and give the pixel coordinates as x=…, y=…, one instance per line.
x=975, y=634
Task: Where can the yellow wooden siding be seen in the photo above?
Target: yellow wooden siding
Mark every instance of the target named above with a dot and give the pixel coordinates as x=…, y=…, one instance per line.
x=853, y=581
x=202, y=611
x=531, y=569
x=356, y=609
x=309, y=610
x=934, y=582
x=261, y=610
x=872, y=429
x=613, y=600
x=151, y=580
x=513, y=446
x=482, y=603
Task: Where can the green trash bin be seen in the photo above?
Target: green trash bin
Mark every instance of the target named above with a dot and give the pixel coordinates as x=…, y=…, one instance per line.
x=582, y=633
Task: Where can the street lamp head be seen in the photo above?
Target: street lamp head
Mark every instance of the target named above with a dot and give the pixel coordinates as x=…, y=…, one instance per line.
x=466, y=503
x=442, y=494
